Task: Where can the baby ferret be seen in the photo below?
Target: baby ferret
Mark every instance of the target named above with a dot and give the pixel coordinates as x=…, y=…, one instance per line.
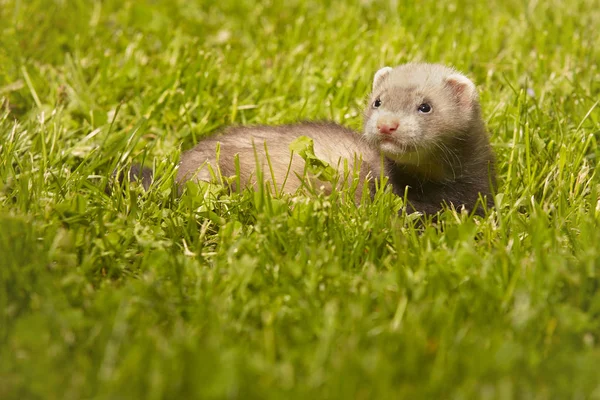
x=425, y=119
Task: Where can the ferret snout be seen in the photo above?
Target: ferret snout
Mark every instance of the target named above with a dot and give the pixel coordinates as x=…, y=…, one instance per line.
x=387, y=125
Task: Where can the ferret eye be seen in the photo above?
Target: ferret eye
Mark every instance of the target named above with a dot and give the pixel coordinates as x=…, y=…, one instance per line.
x=424, y=108
x=377, y=103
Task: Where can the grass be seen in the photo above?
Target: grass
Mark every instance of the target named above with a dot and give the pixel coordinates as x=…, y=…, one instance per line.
x=246, y=295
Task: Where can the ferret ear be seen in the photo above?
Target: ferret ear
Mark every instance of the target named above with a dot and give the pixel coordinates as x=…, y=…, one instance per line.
x=463, y=88
x=379, y=75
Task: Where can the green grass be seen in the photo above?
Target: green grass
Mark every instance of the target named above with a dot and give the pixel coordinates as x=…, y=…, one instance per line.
x=217, y=295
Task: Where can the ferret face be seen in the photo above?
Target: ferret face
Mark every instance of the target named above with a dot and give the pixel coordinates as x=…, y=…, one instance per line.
x=415, y=108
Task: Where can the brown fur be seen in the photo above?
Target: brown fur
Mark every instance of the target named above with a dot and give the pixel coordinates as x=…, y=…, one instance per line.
x=333, y=144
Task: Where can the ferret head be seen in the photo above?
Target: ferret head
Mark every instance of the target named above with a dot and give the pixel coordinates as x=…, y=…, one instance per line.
x=416, y=108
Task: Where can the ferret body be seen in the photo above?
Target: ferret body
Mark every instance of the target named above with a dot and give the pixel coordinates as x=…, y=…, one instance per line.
x=424, y=118
x=340, y=147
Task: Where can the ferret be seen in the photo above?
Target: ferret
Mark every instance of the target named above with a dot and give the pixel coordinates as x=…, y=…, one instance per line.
x=425, y=119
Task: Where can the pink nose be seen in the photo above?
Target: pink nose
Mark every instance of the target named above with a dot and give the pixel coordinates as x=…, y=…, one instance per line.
x=387, y=127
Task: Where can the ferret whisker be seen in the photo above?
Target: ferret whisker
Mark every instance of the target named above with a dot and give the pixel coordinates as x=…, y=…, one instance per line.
x=444, y=156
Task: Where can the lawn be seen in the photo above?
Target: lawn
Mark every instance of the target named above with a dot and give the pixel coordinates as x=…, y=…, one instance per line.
x=246, y=295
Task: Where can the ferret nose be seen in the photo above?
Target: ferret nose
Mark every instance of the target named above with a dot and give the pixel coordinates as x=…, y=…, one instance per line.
x=387, y=126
